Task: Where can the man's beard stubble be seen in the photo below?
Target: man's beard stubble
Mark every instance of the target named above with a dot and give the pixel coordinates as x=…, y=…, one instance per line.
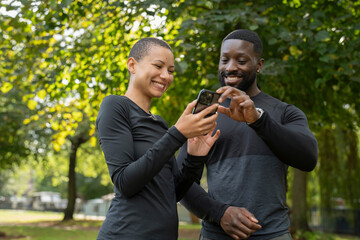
x=244, y=85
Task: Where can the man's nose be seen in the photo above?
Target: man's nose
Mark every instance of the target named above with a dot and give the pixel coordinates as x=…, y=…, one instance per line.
x=231, y=66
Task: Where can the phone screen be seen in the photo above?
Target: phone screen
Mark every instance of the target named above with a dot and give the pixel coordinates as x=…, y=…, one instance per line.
x=205, y=99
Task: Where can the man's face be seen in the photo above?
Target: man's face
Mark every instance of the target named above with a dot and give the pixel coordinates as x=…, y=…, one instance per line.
x=238, y=64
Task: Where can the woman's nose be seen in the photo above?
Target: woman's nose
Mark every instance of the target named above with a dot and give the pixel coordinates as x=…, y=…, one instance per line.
x=164, y=74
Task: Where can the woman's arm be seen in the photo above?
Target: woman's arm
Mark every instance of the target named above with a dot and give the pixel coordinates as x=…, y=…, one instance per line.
x=130, y=175
x=193, y=163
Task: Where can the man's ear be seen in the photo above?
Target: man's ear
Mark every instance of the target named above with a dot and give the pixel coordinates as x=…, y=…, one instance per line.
x=260, y=64
x=131, y=62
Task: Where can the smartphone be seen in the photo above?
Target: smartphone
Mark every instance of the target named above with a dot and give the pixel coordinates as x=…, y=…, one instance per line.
x=205, y=99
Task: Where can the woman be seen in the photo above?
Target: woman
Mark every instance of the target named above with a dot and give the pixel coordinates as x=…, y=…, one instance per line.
x=139, y=149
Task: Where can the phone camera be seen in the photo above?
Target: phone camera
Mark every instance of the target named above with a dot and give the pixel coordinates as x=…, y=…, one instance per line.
x=206, y=98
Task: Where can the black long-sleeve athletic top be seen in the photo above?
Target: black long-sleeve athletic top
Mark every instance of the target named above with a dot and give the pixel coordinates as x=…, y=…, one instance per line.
x=139, y=152
x=247, y=167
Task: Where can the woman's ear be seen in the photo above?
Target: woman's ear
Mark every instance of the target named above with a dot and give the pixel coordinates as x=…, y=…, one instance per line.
x=131, y=62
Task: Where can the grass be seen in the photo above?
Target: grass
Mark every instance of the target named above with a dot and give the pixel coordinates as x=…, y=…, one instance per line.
x=20, y=216
x=47, y=233
x=45, y=226
x=34, y=225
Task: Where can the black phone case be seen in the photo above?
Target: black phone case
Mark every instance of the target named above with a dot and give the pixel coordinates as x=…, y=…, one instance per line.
x=204, y=102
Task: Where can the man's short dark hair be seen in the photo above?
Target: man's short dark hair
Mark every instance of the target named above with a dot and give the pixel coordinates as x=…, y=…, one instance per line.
x=141, y=47
x=247, y=35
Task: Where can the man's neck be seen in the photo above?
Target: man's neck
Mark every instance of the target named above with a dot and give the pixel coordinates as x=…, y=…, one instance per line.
x=253, y=90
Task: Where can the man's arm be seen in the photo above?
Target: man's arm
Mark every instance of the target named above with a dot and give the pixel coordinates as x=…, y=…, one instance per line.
x=236, y=222
x=291, y=140
x=197, y=199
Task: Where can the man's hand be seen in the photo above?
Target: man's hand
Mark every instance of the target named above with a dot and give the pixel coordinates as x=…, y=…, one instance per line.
x=239, y=223
x=241, y=107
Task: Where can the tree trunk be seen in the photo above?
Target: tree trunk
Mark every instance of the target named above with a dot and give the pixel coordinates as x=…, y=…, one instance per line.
x=299, y=203
x=76, y=142
x=69, y=211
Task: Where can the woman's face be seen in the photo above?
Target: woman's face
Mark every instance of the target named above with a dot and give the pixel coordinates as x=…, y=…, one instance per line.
x=154, y=72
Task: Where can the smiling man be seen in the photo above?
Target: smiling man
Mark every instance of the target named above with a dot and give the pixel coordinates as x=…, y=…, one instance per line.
x=247, y=167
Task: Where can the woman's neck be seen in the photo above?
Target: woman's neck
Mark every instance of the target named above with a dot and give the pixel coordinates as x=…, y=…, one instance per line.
x=140, y=99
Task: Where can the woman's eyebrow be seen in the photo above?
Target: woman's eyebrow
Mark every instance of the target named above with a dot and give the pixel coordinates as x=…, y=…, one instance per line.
x=162, y=62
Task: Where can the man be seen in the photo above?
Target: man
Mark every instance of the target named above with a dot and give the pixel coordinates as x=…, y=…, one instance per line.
x=247, y=167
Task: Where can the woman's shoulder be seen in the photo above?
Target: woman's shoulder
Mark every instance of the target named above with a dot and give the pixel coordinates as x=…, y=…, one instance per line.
x=115, y=99
x=115, y=103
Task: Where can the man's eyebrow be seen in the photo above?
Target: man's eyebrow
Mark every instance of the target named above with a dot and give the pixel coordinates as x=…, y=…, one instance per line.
x=239, y=54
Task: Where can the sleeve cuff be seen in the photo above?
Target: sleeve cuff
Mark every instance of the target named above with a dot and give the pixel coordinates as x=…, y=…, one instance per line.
x=173, y=131
x=221, y=213
x=258, y=123
x=199, y=159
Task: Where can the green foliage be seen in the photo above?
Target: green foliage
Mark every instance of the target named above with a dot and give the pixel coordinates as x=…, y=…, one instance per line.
x=311, y=54
x=64, y=57
x=12, y=140
x=340, y=155
x=311, y=236
x=87, y=187
x=91, y=188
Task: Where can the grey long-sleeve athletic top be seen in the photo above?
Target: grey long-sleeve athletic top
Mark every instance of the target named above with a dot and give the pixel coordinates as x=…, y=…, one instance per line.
x=139, y=152
x=247, y=167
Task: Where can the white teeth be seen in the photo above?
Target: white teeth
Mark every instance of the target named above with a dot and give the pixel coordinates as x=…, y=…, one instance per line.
x=159, y=84
x=232, y=78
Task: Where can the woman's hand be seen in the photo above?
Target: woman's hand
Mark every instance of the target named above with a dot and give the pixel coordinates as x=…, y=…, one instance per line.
x=201, y=145
x=193, y=125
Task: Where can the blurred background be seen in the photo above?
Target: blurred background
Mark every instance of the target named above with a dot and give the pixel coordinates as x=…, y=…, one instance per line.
x=59, y=59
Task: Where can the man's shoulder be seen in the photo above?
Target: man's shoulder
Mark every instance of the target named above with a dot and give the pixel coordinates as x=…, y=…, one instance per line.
x=286, y=110
x=268, y=100
x=272, y=98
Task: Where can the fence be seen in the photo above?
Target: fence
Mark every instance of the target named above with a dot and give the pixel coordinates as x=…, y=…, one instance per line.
x=343, y=221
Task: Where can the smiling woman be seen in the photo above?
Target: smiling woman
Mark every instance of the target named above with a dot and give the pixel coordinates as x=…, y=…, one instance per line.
x=151, y=76
x=139, y=149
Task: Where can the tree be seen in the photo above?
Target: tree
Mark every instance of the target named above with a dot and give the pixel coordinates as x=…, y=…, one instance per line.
x=81, y=137
x=308, y=56
x=76, y=51
x=13, y=138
